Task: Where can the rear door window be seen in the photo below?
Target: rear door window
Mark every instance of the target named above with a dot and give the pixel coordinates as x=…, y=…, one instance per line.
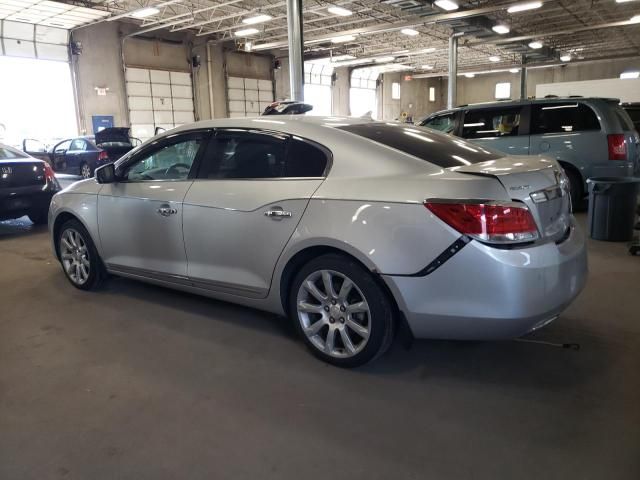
x=491, y=123
x=434, y=147
x=444, y=123
x=563, y=117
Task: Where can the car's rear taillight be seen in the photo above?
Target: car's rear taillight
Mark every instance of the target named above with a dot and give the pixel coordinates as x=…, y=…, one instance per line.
x=488, y=222
x=617, y=147
x=103, y=156
x=49, y=173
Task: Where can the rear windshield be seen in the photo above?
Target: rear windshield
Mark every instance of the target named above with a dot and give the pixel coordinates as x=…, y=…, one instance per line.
x=437, y=148
x=8, y=153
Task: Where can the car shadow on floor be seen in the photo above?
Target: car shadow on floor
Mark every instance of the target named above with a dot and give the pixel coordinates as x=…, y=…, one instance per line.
x=518, y=364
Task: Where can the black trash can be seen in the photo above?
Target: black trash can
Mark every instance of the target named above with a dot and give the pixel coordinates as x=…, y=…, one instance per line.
x=612, y=207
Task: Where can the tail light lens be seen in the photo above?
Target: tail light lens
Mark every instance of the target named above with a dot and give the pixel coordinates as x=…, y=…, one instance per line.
x=488, y=222
x=103, y=156
x=49, y=174
x=617, y=147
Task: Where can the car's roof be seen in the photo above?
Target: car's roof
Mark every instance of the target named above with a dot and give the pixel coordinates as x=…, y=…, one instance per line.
x=516, y=102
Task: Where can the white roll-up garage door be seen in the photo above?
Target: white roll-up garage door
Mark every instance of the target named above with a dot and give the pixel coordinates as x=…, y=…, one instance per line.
x=27, y=40
x=158, y=98
x=248, y=97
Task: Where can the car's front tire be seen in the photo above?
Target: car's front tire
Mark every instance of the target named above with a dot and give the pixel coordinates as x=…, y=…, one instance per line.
x=86, y=171
x=78, y=256
x=341, y=312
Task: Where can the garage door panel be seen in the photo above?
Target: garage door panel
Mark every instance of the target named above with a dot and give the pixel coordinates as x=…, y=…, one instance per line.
x=47, y=51
x=181, y=91
x=19, y=48
x=252, y=107
x=162, y=117
x=180, y=78
x=235, y=94
x=251, y=83
x=183, y=104
x=235, y=82
x=236, y=115
x=55, y=36
x=139, y=89
x=137, y=75
x=17, y=30
x=162, y=103
x=236, y=106
x=251, y=95
x=265, y=96
x=183, y=117
x=142, y=131
x=140, y=103
x=159, y=76
x=141, y=116
x=265, y=85
x=161, y=90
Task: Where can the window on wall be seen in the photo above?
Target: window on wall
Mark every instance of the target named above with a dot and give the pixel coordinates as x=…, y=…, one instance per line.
x=317, y=87
x=503, y=90
x=362, y=95
x=395, y=91
x=432, y=94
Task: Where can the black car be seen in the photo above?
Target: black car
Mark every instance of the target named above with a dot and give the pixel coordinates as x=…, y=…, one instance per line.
x=26, y=186
x=82, y=155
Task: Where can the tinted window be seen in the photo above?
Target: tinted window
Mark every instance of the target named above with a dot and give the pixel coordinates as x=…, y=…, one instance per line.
x=496, y=122
x=304, y=160
x=434, y=147
x=442, y=123
x=170, y=162
x=562, y=118
x=7, y=153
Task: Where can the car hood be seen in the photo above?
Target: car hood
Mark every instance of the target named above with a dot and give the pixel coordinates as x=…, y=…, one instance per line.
x=113, y=134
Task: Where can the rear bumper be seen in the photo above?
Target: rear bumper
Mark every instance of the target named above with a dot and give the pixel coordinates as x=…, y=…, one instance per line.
x=19, y=201
x=613, y=168
x=484, y=293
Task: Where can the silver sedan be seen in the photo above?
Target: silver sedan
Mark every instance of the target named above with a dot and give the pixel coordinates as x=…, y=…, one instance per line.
x=347, y=226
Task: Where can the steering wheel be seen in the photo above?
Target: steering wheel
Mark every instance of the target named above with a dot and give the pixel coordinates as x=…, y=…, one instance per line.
x=174, y=168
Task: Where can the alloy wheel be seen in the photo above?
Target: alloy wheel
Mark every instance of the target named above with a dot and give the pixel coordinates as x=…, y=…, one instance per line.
x=333, y=313
x=75, y=256
x=85, y=171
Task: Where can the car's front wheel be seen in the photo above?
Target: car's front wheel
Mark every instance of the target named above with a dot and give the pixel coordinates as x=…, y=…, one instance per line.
x=85, y=171
x=79, y=257
x=342, y=313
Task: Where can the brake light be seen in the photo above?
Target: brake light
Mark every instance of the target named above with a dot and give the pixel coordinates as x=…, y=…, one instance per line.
x=488, y=222
x=103, y=156
x=617, y=147
x=49, y=174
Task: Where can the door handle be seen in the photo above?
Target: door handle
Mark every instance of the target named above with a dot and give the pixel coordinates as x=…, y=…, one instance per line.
x=277, y=214
x=166, y=210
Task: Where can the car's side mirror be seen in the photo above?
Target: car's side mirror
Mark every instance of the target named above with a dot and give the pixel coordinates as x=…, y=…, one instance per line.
x=106, y=173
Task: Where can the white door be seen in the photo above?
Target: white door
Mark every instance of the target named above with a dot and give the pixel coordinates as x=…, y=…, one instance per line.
x=248, y=97
x=158, y=98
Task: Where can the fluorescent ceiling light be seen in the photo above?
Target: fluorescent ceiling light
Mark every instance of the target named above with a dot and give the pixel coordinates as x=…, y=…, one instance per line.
x=410, y=31
x=535, y=45
x=427, y=67
x=501, y=29
x=514, y=70
x=635, y=19
x=248, y=46
x=469, y=75
x=627, y=75
x=400, y=52
x=623, y=1
x=257, y=19
x=343, y=12
x=246, y=32
x=565, y=58
x=521, y=7
x=144, y=12
x=494, y=58
x=426, y=50
x=447, y=5
x=343, y=39
x=384, y=59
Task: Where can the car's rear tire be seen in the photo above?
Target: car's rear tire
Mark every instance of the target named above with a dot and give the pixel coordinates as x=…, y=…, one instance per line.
x=576, y=189
x=86, y=171
x=78, y=256
x=39, y=217
x=348, y=323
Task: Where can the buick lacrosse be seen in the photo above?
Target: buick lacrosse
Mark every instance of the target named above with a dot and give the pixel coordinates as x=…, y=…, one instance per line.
x=347, y=226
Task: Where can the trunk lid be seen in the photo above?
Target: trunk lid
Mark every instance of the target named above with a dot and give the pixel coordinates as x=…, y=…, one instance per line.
x=115, y=135
x=21, y=173
x=539, y=183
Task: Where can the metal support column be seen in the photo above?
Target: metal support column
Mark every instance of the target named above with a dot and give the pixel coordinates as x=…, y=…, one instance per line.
x=523, y=78
x=296, y=62
x=452, y=91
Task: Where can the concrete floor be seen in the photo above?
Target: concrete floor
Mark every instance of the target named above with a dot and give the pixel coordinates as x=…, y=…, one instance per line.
x=139, y=382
